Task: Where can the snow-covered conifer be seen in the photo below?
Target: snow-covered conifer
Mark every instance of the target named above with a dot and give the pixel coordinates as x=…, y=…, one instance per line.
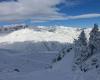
x=80, y=49
x=93, y=40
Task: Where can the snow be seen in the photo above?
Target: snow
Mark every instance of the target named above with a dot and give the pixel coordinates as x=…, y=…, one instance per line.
x=60, y=71
x=60, y=35
x=31, y=52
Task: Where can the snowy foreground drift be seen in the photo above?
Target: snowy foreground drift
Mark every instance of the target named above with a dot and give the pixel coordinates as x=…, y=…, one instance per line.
x=43, y=54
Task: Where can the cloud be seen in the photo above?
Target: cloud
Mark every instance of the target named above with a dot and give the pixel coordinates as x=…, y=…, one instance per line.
x=64, y=17
x=91, y=15
x=38, y=10
x=24, y=9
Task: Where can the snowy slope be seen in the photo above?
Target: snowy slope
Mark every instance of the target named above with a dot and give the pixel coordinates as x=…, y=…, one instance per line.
x=61, y=71
x=27, y=54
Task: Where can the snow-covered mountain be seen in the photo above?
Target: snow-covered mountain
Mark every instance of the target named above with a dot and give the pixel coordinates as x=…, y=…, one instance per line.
x=41, y=53
x=60, y=34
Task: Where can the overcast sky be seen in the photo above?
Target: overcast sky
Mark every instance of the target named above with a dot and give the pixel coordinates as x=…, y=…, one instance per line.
x=50, y=12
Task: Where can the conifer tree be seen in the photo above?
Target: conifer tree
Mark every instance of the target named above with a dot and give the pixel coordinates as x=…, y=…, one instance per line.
x=93, y=40
x=80, y=49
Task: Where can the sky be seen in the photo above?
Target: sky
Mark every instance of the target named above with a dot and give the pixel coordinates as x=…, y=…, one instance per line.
x=73, y=13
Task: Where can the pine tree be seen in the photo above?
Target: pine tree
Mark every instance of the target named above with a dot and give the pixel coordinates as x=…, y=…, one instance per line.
x=80, y=44
x=85, y=59
x=80, y=49
x=93, y=40
x=93, y=47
